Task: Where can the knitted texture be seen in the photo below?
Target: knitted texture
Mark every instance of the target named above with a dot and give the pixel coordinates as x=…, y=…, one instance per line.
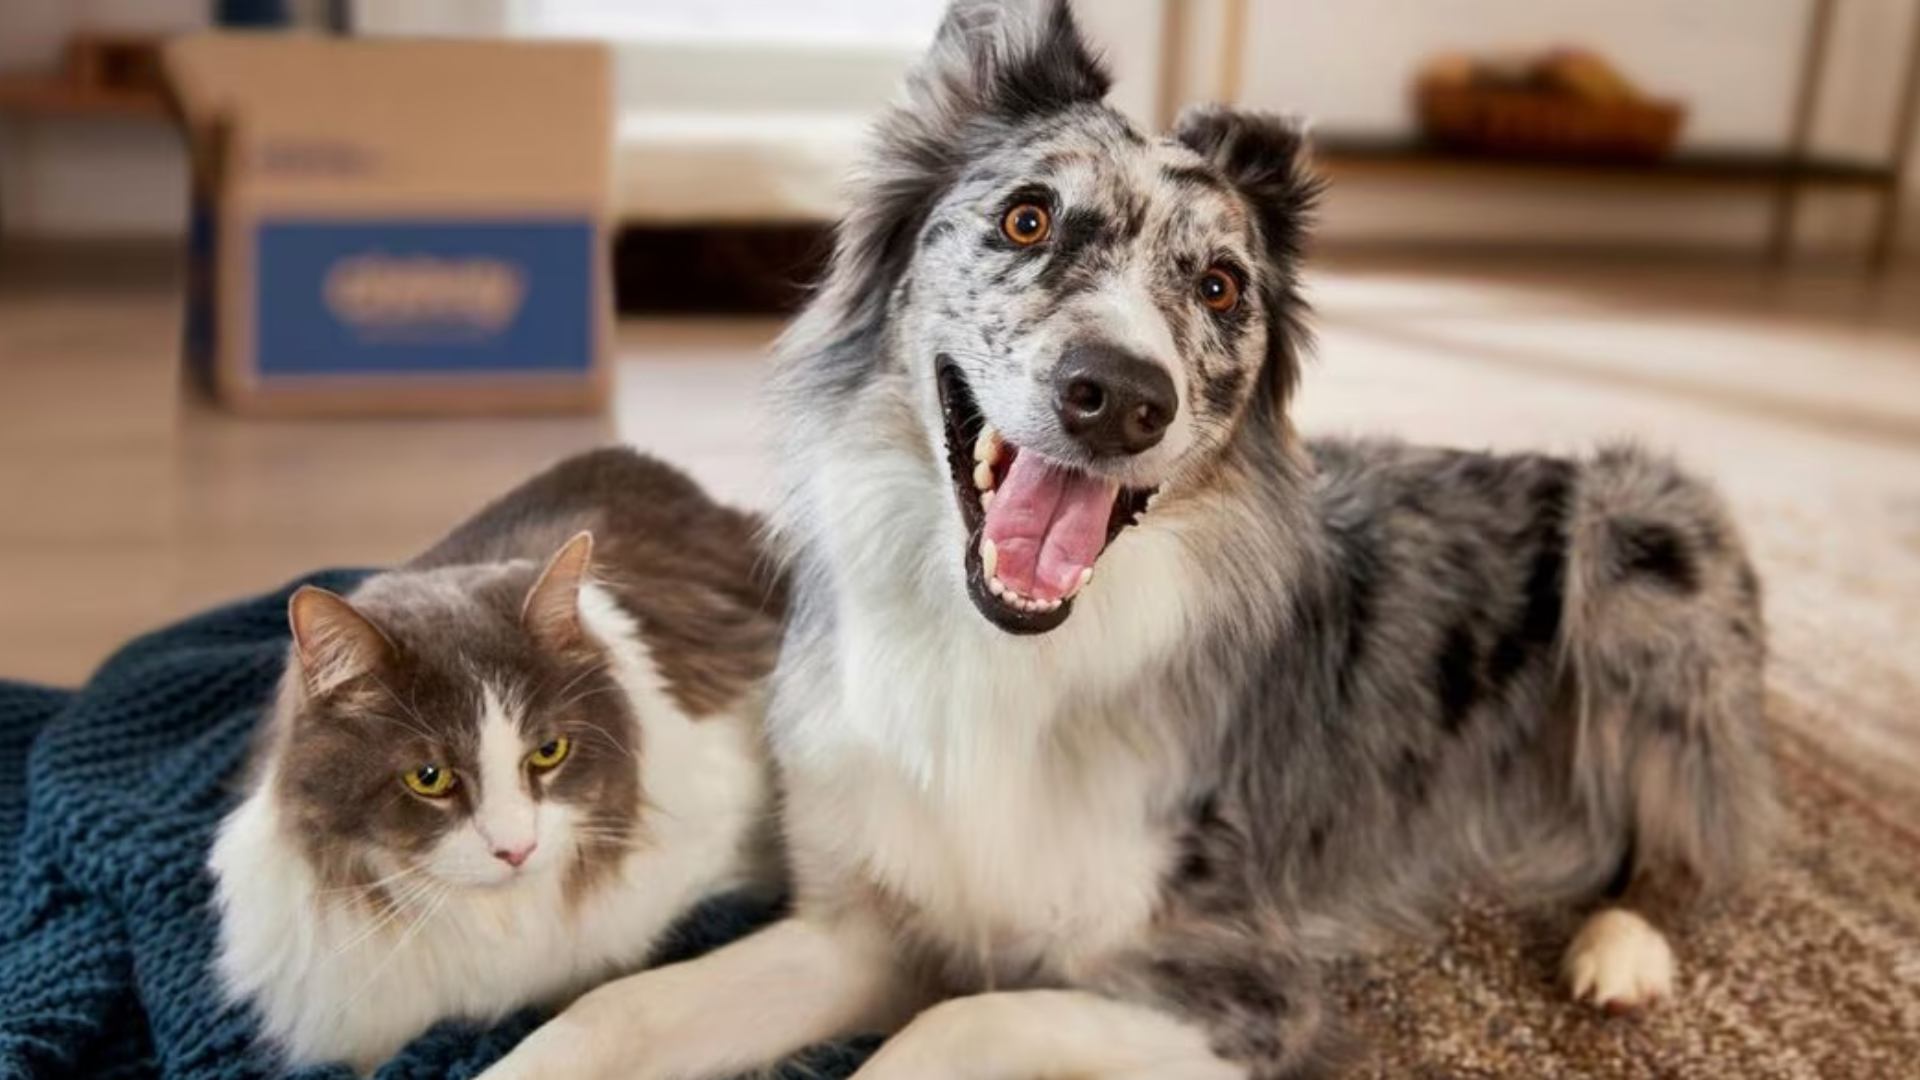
x=109, y=798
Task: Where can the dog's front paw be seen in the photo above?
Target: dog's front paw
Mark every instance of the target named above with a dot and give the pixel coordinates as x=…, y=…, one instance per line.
x=1620, y=963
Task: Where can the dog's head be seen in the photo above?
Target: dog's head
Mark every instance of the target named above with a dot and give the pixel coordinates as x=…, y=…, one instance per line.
x=1095, y=313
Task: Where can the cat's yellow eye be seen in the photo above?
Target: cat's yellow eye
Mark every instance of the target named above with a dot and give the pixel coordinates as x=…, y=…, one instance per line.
x=430, y=781
x=550, y=753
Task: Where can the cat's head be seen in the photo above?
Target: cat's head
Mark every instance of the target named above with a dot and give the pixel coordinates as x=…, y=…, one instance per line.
x=458, y=727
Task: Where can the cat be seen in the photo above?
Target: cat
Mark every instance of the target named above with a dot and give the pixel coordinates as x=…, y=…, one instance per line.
x=494, y=776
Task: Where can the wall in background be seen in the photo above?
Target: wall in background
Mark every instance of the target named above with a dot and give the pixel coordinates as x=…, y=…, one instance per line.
x=1129, y=34
x=117, y=177
x=1346, y=64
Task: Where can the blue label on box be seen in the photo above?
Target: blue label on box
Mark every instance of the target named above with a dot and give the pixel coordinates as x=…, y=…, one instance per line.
x=371, y=298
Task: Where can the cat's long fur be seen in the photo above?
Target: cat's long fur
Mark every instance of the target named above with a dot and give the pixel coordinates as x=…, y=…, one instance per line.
x=1314, y=688
x=343, y=926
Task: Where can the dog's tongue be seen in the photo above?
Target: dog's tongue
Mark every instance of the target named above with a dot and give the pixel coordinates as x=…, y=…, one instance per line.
x=1048, y=524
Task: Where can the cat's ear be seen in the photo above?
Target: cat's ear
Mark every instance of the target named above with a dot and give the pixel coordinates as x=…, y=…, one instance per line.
x=552, y=610
x=334, y=642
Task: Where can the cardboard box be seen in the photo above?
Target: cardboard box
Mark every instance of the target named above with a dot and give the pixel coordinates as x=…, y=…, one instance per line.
x=397, y=226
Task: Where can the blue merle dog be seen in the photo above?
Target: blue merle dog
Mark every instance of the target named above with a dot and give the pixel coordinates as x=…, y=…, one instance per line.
x=1110, y=707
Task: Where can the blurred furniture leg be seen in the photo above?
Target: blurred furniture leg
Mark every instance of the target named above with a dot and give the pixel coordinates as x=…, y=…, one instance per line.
x=1173, y=54
x=1813, y=68
x=1233, y=58
x=1907, y=114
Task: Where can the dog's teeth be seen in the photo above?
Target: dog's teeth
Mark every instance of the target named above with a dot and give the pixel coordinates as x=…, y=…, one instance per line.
x=986, y=501
x=1086, y=579
x=989, y=556
x=994, y=586
x=983, y=476
x=986, y=448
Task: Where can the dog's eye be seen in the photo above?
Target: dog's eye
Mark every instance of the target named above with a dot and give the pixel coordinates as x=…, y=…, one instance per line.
x=1027, y=224
x=1219, y=290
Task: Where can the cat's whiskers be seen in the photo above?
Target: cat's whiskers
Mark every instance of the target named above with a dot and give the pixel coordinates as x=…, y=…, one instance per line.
x=419, y=725
x=368, y=887
x=398, y=904
x=631, y=841
x=435, y=906
x=611, y=743
x=587, y=695
x=591, y=670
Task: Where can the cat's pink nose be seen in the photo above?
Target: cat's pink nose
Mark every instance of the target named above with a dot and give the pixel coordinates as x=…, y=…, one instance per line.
x=513, y=857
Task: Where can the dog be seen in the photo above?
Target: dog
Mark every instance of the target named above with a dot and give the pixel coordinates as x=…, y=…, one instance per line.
x=1110, y=709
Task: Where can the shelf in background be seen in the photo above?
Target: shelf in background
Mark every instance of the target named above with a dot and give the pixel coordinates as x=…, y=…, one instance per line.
x=56, y=96
x=1786, y=174
x=1382, y=156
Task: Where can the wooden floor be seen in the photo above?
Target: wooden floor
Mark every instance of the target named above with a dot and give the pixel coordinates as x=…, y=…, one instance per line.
x=122, y=508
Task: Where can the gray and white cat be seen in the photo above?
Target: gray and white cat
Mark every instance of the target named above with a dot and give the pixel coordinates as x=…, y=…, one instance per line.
x=495, y=775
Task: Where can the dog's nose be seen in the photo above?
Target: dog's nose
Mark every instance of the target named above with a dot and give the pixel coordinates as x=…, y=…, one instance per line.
x=1111, y=401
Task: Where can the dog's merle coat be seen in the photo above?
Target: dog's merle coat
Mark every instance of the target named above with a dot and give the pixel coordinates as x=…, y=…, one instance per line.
x=1317, y=687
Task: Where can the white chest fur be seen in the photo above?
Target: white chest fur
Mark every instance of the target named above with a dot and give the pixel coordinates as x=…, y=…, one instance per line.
x=332, y=981
x=1018, y=866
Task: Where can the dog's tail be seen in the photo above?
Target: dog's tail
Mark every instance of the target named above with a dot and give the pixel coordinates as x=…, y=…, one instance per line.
x=1663, y=645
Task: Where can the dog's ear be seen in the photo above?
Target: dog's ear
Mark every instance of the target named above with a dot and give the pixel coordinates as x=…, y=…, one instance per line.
x=1010, y=58
x=1268, y=159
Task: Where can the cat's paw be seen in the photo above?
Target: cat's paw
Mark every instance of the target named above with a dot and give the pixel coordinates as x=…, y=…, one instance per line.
x=1619, y=963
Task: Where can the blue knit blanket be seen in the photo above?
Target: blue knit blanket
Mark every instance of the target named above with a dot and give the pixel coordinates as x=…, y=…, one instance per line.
x=109, y=797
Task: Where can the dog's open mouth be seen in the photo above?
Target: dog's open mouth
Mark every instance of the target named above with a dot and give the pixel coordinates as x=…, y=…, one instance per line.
x=1035, y=527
